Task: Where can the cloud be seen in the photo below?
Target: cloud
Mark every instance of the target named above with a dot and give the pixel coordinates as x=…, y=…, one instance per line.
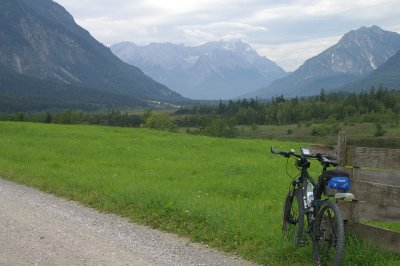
x=226, y=25
x=196, y=36
x=325, y=8
x=218, y=30
x=293, y=54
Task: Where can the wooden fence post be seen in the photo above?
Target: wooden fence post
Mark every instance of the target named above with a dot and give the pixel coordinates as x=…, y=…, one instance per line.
x=341, y=149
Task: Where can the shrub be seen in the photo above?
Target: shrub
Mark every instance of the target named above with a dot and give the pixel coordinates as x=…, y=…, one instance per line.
x=253, y=127
x=379, y=131
x=159, y=121
x=219, y=127
x=320, y=131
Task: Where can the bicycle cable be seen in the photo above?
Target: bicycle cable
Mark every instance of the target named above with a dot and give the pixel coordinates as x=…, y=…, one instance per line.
x=287, y=171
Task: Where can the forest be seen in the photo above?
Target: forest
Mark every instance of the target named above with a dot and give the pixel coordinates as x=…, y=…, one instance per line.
x=378, y=105
x=221, y=119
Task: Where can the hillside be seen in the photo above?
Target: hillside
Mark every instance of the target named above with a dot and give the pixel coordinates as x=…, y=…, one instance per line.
x=41, y=39
x=387, y=75
x=45, y=95
x=214, y=70
x=357, y=54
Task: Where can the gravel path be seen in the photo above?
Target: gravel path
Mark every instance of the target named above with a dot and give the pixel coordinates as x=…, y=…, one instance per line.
x=40, y=229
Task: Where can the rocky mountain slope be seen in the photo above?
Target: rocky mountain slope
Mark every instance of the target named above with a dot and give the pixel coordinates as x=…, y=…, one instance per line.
x=387, y=75
x=356, y=55
x=41, y=39
x=222, y=69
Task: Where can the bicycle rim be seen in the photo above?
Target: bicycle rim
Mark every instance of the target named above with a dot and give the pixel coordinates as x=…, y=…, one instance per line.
x=328, y=244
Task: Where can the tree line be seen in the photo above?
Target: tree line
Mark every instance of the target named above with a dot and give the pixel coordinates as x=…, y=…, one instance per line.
x=377, y=106
x=112, y=118
x=380, y=106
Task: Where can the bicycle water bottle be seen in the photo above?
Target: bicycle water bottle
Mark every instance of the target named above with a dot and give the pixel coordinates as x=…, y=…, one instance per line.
x=310, y=194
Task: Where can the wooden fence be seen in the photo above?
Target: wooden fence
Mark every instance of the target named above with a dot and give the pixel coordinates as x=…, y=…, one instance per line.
x=375, y=183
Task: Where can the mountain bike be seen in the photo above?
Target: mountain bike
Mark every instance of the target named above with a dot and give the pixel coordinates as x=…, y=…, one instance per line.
x=309, y=211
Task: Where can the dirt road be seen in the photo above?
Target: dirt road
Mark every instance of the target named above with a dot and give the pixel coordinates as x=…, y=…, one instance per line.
x=41, y=229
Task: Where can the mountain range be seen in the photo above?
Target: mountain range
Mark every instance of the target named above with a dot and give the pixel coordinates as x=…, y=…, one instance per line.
x=357, y=54
x=40, y=40
x=214, y=70
x=47, y=61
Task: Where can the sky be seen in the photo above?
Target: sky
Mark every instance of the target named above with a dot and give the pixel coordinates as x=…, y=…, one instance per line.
x=287, y=32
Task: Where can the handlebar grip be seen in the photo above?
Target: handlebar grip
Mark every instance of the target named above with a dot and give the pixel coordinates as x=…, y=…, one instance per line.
x=274, y=151
x=283, y=153
x=330, y=157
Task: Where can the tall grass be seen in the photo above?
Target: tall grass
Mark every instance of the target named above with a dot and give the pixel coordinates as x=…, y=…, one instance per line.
x=227, y=193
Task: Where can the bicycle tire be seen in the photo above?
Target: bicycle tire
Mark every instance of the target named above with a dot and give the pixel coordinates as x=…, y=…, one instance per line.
x=293, y=218
x=328, y=242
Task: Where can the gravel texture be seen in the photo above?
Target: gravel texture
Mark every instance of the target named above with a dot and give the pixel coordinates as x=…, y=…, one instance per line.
x=40, y=229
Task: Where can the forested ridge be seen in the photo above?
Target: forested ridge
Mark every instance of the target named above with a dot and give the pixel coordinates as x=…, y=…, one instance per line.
x=377, y=105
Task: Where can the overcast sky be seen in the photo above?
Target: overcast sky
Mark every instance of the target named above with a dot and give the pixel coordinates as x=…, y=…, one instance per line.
x=287, y=32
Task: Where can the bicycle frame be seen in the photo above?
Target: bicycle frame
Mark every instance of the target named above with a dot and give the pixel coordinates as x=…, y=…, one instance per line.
x=302, y=185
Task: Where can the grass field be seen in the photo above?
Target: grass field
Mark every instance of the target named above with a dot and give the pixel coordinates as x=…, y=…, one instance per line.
x=225, y=192
x=303, y=132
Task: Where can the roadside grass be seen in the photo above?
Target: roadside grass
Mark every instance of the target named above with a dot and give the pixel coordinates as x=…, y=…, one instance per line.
x=227, y=193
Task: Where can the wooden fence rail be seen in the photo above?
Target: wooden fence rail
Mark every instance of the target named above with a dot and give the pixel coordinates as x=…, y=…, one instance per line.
x=375, y=183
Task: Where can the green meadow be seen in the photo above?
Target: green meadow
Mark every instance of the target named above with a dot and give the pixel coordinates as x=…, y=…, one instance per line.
x=227, y=193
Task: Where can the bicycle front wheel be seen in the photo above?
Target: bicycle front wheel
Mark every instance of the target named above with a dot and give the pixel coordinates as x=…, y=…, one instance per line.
x=328, y=244
x=293, y=218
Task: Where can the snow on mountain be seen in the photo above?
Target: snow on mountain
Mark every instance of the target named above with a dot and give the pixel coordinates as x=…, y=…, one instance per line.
x=215, y=70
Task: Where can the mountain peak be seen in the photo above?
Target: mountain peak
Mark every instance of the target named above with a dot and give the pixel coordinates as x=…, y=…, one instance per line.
x=358, y=53
x=214, y=70
x=235, y=45
x=366, y=36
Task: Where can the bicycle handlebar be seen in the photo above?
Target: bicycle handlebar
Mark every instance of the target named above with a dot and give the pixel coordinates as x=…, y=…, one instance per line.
x=323, y=159
x=284, y=153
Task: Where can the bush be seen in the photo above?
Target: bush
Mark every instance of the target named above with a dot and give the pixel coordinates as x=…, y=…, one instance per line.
x=320, y=131
x=379, y=131
x=66, y=117
x=253, y=127
x=159, y=121
x=219, y=127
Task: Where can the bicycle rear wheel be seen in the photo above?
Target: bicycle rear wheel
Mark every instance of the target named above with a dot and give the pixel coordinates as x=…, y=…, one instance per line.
x=293, y=218
x=328, y=244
